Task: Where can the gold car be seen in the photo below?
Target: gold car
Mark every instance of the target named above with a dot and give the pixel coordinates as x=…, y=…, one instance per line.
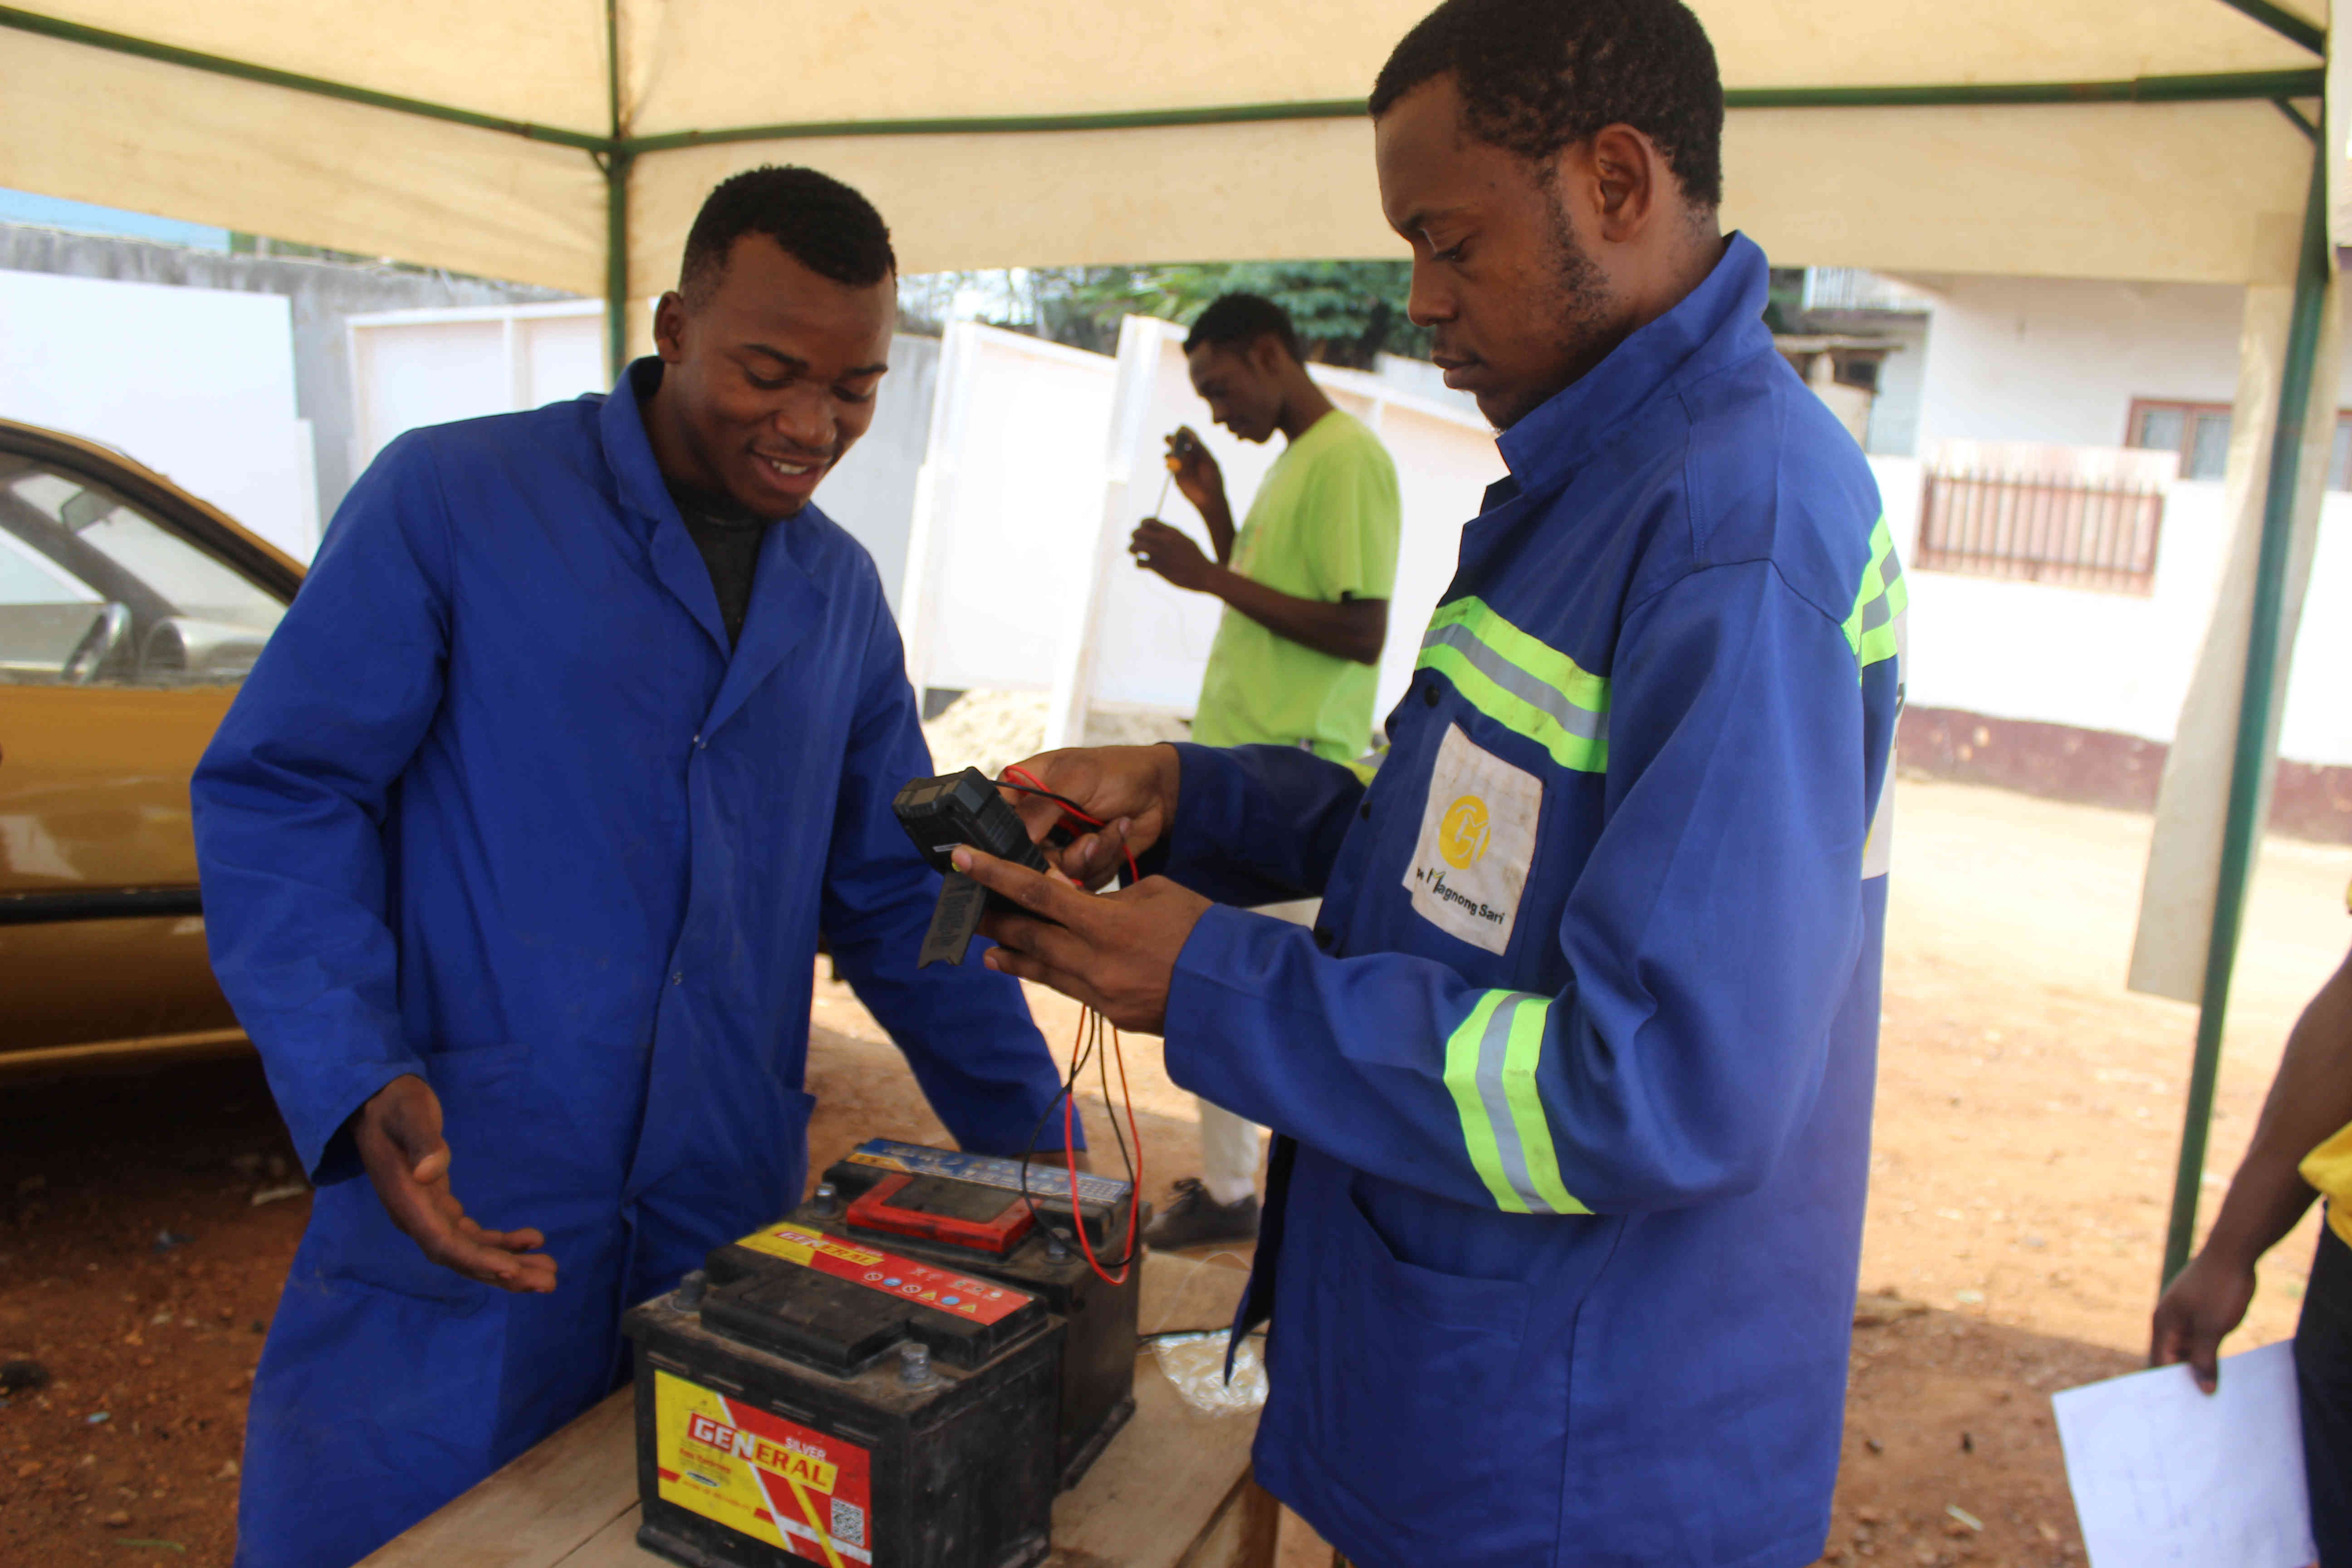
x=128, y=612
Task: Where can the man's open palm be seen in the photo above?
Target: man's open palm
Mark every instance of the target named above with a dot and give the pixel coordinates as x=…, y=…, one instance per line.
x=398, y=1134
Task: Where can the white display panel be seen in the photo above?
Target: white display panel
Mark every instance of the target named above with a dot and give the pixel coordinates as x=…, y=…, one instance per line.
x=196, y=384
x=1006, y=510
x=413, y=368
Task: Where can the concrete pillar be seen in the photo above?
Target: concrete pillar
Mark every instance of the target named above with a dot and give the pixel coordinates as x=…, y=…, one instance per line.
x=2177, y=900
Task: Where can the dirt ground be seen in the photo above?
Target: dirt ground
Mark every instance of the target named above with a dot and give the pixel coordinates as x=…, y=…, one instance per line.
x=2029, y=1111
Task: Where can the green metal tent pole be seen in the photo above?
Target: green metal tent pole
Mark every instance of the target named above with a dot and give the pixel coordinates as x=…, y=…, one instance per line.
x=2240, y=831
x=242, y=71
x=2221, y=88
x=2294, y=117
x=617, y=161
x=2284, y=23
x=617, y=262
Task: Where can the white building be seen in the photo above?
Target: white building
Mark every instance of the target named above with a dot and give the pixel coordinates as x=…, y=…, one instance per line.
x=2030, y=671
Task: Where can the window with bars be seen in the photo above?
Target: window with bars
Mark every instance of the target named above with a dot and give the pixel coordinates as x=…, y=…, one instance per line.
x=2065, y=530
x=2199, y=432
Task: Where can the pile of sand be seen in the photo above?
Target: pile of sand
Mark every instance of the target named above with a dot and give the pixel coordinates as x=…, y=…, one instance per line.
x=1135, y=727
x=987, y=729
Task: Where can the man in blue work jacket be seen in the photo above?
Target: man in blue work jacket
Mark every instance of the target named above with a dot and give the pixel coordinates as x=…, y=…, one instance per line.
x=515, y=847
x=1574, y=1076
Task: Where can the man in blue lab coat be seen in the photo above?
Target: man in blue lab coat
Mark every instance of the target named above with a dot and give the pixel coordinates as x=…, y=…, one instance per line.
x=1574, y=1074
x=516, y=848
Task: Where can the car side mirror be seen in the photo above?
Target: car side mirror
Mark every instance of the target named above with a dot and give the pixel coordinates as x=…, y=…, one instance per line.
x=102, y=648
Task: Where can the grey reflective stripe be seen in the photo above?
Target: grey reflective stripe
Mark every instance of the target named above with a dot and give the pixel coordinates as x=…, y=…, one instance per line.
x=1881, y=609
x=1494, y=1047
x=1579, y=722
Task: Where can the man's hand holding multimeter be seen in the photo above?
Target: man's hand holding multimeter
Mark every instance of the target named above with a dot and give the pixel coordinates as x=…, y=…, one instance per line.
x=944, y=813
x=1116, y=953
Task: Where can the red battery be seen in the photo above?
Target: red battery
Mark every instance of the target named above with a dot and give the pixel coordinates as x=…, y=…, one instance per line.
x=958, y=1213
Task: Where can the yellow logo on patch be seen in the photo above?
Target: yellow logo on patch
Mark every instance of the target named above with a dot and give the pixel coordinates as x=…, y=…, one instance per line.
x=1464, y=834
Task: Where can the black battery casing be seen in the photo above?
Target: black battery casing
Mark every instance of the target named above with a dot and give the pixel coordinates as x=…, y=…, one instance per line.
x=961, y=1467
x=1097, y=1369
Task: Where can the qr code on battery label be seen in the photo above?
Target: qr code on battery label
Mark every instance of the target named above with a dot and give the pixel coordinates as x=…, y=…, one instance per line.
x=848, y=1523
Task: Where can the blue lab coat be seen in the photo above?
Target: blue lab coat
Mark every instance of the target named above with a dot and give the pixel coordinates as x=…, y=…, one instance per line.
x=1574, y=1076
x=499, y=807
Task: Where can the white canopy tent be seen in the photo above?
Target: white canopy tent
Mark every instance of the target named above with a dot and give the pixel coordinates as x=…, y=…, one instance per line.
x=569, y=142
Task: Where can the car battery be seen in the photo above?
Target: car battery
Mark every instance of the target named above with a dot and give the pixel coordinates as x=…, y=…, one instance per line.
x=967, y=1211
x=809, y=1400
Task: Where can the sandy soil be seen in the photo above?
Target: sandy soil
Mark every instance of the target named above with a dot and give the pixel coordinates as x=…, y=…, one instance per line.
x=136, y=1267
x=2029, y=1107
x=2028, y=1116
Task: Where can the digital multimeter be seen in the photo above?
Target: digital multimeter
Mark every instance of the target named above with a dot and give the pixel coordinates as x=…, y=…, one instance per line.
x=940, y=813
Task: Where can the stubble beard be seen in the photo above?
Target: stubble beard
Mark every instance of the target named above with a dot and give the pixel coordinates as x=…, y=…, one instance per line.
x=1583, y=323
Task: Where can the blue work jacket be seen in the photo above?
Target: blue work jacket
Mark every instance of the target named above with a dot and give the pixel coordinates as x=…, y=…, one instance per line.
x=1574, y=1075
x=500, y=806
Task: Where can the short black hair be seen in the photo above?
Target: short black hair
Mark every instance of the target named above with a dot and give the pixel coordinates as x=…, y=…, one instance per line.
x=1537, y=75
x=821, y=223
x=1232, y=319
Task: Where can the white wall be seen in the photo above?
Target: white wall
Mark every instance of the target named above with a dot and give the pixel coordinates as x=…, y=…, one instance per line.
x=1895, y=412
x=2041, y=359
x=872, y=491
x=413, y=368
x=1005, y=511
x=2115, y=661
x=2317, y=727
x=196, y=384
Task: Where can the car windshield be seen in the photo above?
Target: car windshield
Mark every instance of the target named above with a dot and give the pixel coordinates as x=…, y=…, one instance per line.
x=191, y=582
x=94, y=588
x=28, y=577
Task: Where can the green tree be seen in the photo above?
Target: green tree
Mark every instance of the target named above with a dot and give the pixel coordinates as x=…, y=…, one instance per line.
x=1346, y=312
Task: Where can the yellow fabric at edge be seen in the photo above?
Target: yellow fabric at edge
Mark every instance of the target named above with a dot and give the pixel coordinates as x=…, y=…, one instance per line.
x=2329, y=1169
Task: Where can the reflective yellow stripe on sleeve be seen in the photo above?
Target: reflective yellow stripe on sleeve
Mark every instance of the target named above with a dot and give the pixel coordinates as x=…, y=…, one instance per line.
x=1883, y=596
x=1520, y=682
x=1490, y=1069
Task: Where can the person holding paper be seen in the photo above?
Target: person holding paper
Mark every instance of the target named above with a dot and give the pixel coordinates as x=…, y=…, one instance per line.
x=2301, y=1148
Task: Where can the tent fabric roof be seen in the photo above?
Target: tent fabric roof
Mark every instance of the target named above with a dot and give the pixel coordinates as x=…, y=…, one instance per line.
x=2199, y=180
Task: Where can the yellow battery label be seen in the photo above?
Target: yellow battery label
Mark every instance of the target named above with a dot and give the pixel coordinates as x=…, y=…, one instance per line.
x=798, y=1243
x=777, y=1481
x=939, y=1288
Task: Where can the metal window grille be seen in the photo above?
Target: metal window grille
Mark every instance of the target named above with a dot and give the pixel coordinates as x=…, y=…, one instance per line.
x=2068, y=533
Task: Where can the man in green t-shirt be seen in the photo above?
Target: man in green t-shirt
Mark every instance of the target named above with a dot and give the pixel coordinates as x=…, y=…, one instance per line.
x=1306, y=584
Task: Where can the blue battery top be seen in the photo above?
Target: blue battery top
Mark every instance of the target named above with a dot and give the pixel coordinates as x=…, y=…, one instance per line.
x=984, y=1170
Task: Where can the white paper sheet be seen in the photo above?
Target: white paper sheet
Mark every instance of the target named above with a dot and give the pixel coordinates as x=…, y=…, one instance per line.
x=2165, y=1477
